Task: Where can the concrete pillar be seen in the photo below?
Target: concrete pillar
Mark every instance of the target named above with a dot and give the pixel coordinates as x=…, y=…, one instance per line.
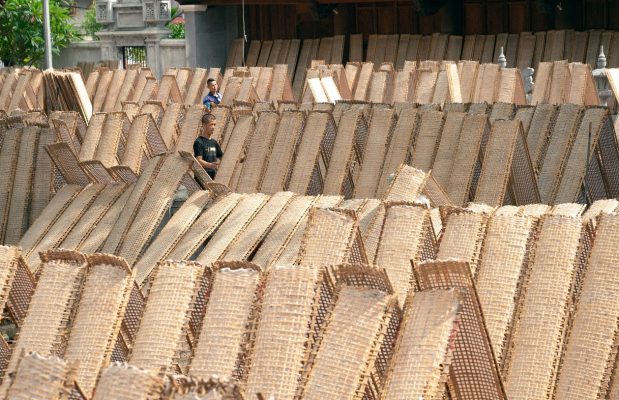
x=209, y=34
x=195, y=28
x=153, y=61
x=108, y=50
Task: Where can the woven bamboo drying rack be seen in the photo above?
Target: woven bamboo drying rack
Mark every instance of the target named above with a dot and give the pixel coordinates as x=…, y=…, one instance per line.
x=92, y=136
x=93, y=215
x=401, y=240
x=63, y=225
x=421, y=360
x=11, y=288
x=224, y=335
x=250, y=238
x=470, y=229
x=286, y=333
x=132, y=206
x=261, y=145
x=172, y=233
x=363, y=304
x=48, y=217
x=375, y=148
x=473, y=373
x=153, y=207
x=279, y=164
x=400, y=144
x=543, y=311
x=99, y=315
x=165, y=321
x=113, y=91
x=68, y=164
x=204, y=226
x=8, y=163
x=591, y=320
x=555, y=156
x=408, y=183
x=96, y=238
x=125, y=382
x=39, y=378
x=243, y=130
x=233, y=225
x=45, y=327
x=502, y=267
x=169, y=127
x=328, y=238
x=447, y=148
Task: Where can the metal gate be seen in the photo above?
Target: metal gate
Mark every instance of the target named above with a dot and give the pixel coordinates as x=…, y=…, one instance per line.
x=134, y=55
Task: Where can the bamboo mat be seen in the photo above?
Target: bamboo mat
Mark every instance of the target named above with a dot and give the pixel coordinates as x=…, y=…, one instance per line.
x=230, y=309
x=123, y=382
x=559, y=143
x=233, y=225
x=363, y=82
x=338, y=179
x=328, y=237
x=500, y=274
x=130, y=209
x=48, y=217
x=99, y=232
x=537, y=339
x=93, y=215
x=379, y=132
x=593, y=327
x=105, y=79
x=172, y=233
x=569, y=187
x=63, y=224
x=243, y=130
x=114, y=89
x=67, y=163
x=407, y=184
x=283, y=337
x=401, y=240
x=103, y=300
x=8, y=163
x=133, y=154
x=190, y=128
x=153, y=207
x=292, y=247
x=45, y=327
x=425, y=84
x=447, y=148
x=261, y=144
x=473, y=373
x=169, y=127
x=252, y=236
x=539, y=131
x=10, y=262
x=497, y=164
x=165, y=321
x=38, y=378
x=116, y=124
x=42, y=184
x=427, y=139
x=307, y=173
x=288, y=222
x=340, y=368
x=204, y=226
x=422, y=354
x=463, y=237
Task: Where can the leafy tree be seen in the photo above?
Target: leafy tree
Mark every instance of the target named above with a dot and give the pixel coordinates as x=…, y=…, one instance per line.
x=90, y=24
x=21, y=24
x=177, y=24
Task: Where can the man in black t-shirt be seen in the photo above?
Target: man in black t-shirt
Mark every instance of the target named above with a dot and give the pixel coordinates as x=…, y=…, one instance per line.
x=207, y=150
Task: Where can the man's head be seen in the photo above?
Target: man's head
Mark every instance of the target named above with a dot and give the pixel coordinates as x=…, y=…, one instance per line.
x=209, y=122
x=212, y=85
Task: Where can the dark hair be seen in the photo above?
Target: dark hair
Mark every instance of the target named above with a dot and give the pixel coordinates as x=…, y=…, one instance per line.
x=209, y=81
x=206, y=118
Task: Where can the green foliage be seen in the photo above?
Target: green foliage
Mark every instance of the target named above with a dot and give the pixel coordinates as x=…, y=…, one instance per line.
x=177, y=30
x=90, y=24
x=176, y=26
x=21, y=24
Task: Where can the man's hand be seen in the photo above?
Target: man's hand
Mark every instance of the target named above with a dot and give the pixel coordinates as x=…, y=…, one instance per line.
x=211, y=165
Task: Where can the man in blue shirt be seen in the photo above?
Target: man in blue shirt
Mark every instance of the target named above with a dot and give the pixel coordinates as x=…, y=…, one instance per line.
x=213, y=97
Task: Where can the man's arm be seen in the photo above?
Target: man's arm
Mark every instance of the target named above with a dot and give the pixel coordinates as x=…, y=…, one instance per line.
x=206, y=164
